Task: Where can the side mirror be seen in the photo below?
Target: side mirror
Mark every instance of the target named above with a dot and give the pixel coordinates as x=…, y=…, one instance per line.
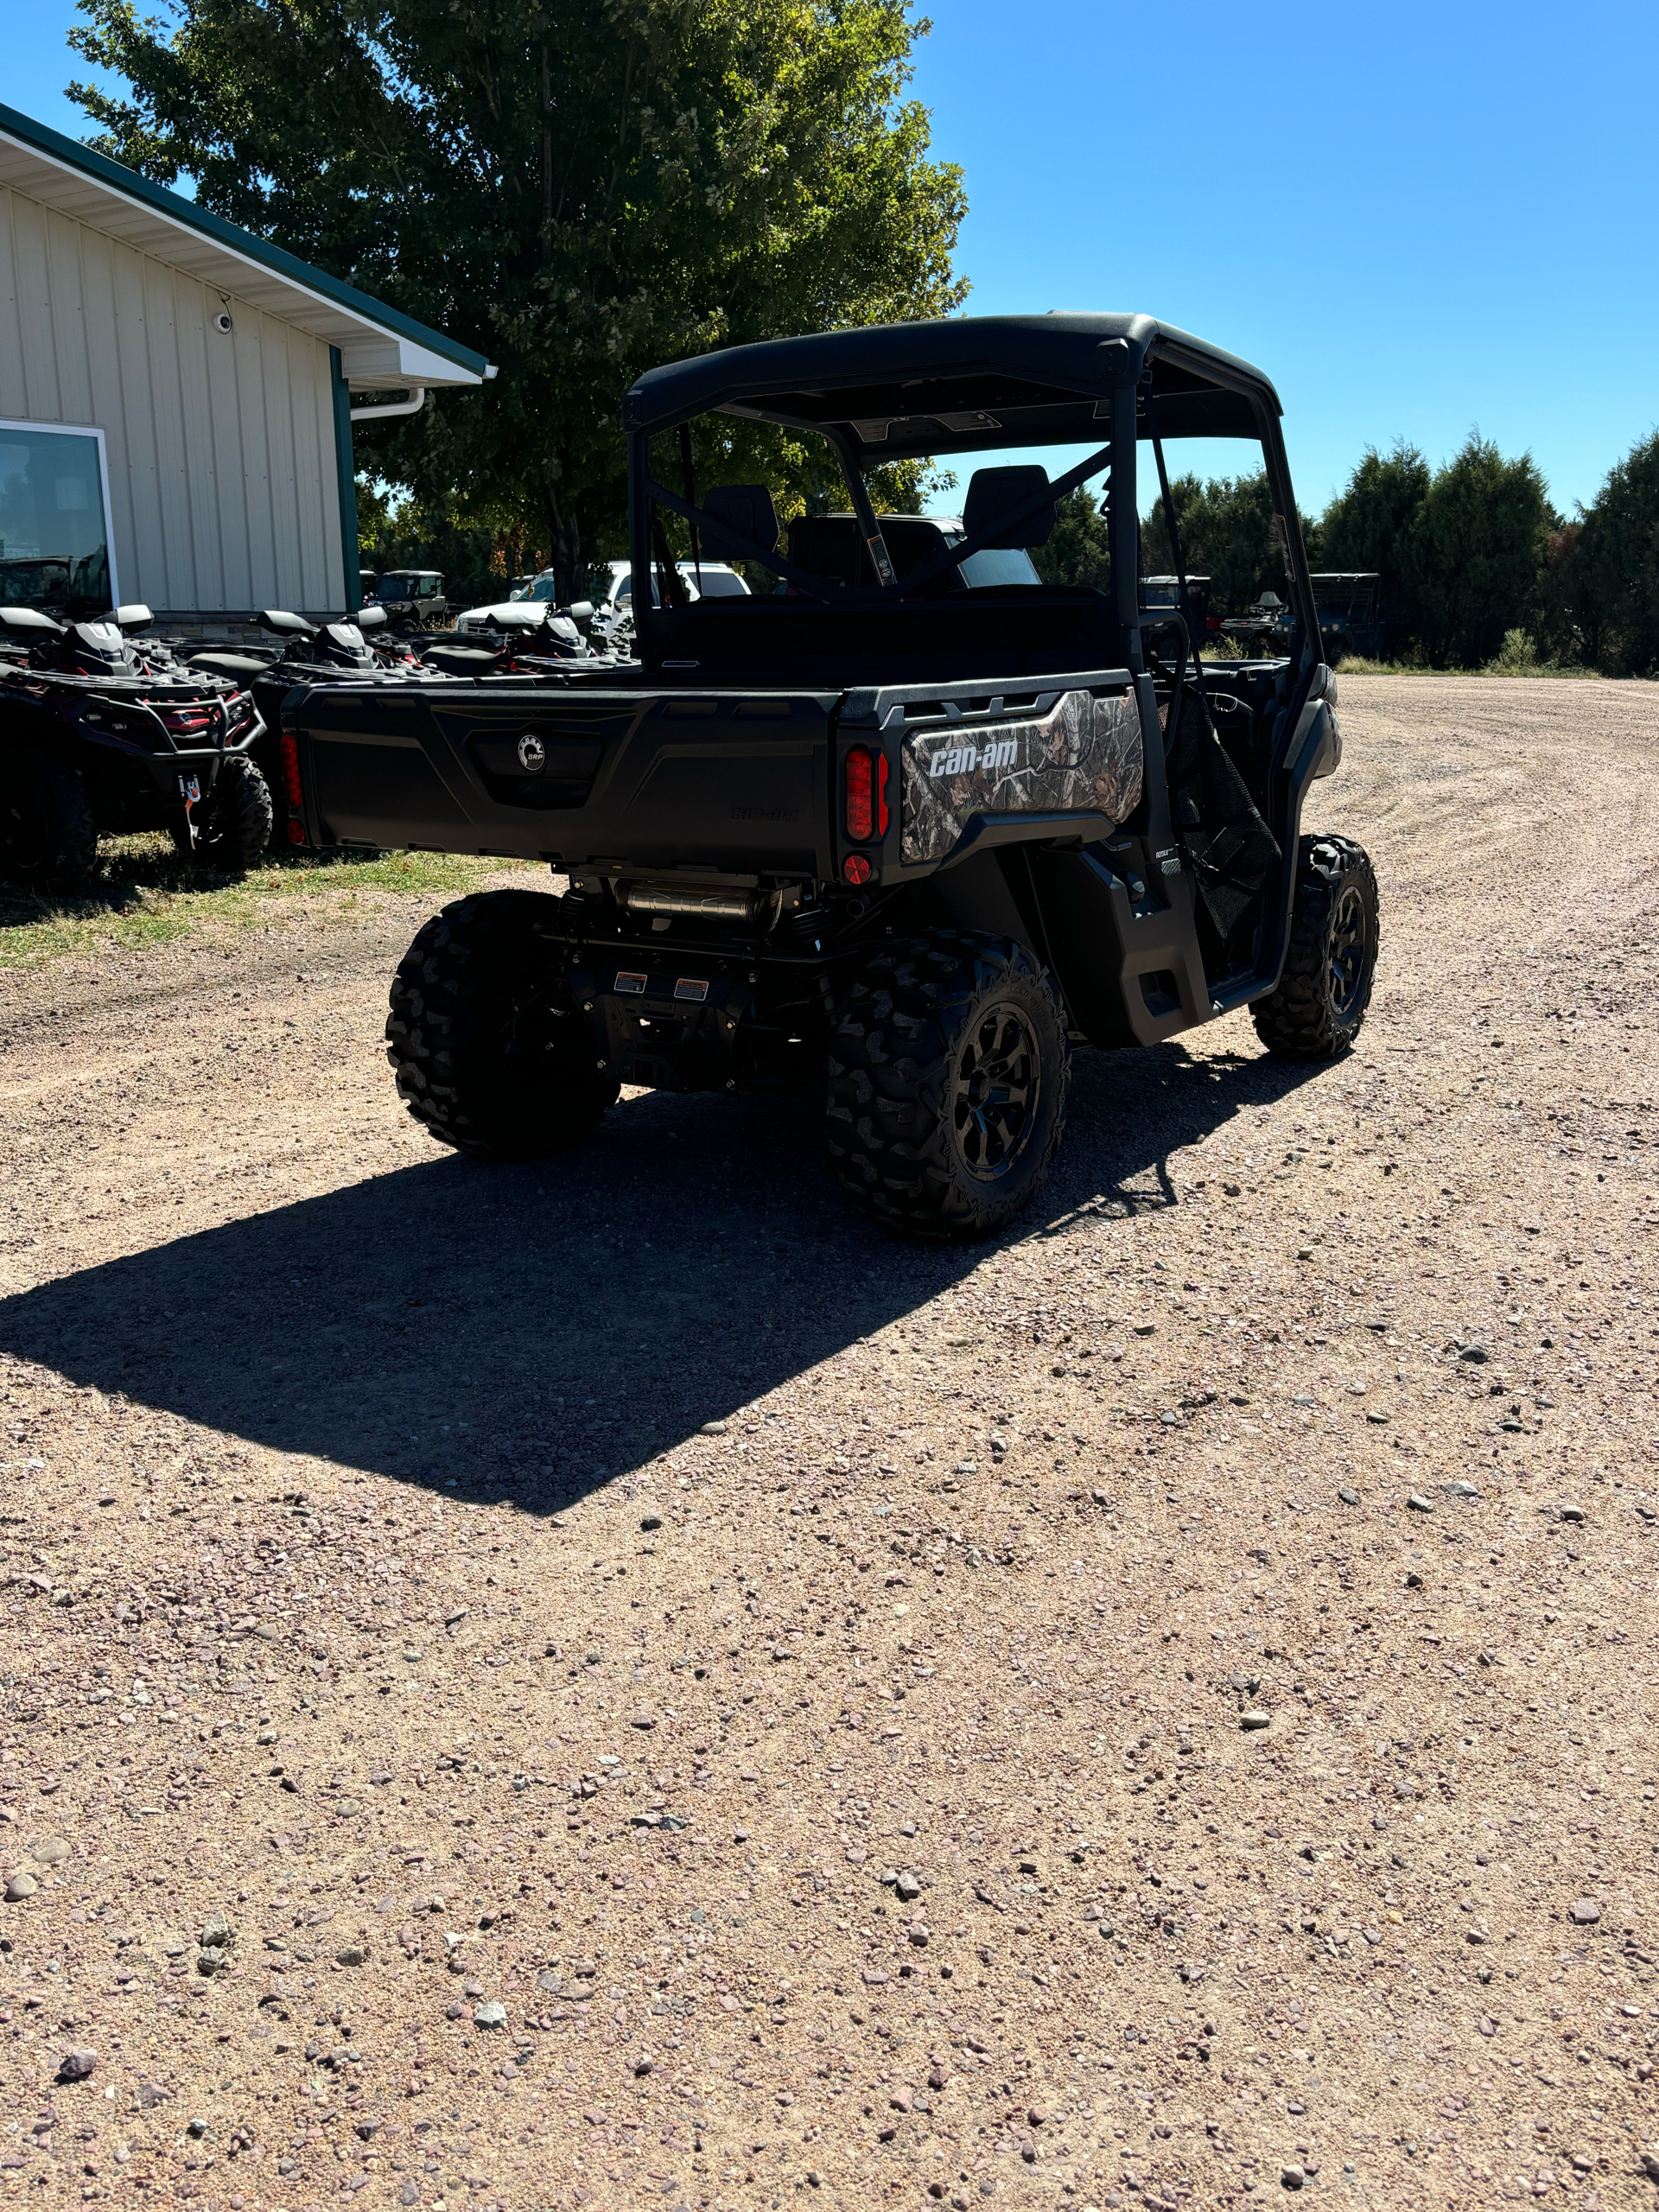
x=371, y=617
x=286, y=624
x=29, y=618
x=581, y=610
x=135, y=617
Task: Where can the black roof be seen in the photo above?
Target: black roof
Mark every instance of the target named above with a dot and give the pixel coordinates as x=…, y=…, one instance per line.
x=965, y=384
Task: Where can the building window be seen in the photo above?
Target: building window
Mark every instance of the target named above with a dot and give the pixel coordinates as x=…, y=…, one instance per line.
x=55, y=520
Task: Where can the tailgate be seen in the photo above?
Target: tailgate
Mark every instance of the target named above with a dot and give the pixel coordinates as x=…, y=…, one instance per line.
x=734, y=782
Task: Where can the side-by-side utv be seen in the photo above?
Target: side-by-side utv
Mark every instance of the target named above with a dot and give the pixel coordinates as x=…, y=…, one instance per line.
x=903, y=820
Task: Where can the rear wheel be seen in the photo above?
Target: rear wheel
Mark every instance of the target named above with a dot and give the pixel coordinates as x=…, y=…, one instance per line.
x=49, y=837
x=491, y=1054
x=237, y=818
x=948, y=1078
x=1325, y=987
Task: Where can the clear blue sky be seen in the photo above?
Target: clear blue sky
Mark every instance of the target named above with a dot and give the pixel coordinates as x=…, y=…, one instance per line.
x=1417, y=218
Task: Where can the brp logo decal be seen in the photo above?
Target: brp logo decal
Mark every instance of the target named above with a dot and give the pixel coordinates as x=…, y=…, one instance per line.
x=532, y=753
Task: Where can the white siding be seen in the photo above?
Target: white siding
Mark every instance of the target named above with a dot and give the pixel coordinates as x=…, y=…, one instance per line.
x=223, y=488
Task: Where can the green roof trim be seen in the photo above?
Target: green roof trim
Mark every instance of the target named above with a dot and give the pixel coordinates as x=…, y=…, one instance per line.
x=131, y=186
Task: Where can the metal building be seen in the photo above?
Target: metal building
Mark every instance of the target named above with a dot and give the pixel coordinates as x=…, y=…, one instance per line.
x=175, y=412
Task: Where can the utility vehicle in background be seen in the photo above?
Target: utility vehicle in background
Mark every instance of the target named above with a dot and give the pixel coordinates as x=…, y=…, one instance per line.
x=885, y=831
x=1352, y=617
x=412, y=598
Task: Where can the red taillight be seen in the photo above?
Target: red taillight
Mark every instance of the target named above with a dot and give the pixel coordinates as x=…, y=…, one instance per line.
x=292, y=787
x=861, y=795
x=866, y=795
x=296, y=833
x=855, y=869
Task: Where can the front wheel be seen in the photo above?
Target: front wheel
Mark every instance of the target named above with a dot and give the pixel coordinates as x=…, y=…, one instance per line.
x=237, y=818
x=948, y=1078
x=1316, y=1009
x=491, y=1054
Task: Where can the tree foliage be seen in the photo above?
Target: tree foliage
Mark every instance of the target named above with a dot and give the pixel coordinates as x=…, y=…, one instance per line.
x=1226, y=525
x=579, y=193
x=1463, y=550
x=1478, y=552
x=1078, y=551
x=1370, y=525
x=1610, y=575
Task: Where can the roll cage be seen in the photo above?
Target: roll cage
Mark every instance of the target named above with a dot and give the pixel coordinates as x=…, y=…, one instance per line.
x=954, y=387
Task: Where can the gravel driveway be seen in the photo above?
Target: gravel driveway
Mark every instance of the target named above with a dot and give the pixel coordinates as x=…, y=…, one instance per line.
x=609, y=1683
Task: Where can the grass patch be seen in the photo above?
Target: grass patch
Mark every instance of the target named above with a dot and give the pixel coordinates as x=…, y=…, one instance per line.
x=1515, y=660
x=145, y=895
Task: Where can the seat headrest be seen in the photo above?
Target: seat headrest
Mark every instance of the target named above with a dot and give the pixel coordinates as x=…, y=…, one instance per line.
x=746, y=508
x=993, y=492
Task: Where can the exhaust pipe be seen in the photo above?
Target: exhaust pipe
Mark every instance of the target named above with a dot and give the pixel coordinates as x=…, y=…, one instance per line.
x=707, y=906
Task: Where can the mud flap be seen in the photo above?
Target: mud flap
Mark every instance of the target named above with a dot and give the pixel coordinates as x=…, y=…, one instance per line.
x=1131, y=970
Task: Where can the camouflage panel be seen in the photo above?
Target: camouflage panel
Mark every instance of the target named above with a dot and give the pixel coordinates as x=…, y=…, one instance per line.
x=1084, y=755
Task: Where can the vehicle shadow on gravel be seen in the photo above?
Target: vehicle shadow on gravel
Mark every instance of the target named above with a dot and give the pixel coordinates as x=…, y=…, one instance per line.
x=533, y=1332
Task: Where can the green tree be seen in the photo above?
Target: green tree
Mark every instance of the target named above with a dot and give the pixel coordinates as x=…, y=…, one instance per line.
x=1371, y=526
x=1078, y=551
x=1615, y=590
x=578, y=193
x=1478, y=545
x=1226, y=525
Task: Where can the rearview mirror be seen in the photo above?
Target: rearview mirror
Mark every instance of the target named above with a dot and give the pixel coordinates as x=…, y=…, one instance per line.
x=286, y=624
x=29, y=618
x=371, y=617
x=581, y=610
x=135, y=617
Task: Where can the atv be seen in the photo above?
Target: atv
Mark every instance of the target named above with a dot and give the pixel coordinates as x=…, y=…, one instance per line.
x=901, y=823
x=343, y=652
x=102, y=734
x=522, y=638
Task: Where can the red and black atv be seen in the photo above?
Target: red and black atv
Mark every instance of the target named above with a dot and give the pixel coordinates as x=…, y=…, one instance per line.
x=102, y=734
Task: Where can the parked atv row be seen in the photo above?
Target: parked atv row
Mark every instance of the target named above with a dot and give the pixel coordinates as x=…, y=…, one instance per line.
x=105, y=731
x=529, y=643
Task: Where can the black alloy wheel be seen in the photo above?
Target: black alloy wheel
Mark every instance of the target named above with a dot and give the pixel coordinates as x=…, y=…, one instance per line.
x=949, y=1072
x=999, y=1074
x=1315, y=1011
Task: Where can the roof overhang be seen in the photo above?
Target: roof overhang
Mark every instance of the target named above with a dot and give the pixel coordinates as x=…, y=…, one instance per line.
x=380, y=347
x=965, y=384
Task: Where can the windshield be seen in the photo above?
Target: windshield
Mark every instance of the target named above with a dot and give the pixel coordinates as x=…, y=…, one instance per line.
x=996, y=566
x=26, y=583
x=715, y=583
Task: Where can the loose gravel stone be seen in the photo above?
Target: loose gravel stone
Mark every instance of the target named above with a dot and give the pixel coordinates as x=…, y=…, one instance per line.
x=428, y=1453
x=1418, y=1503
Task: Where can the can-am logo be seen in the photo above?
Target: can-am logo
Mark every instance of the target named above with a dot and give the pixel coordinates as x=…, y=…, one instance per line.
x=963, y=760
